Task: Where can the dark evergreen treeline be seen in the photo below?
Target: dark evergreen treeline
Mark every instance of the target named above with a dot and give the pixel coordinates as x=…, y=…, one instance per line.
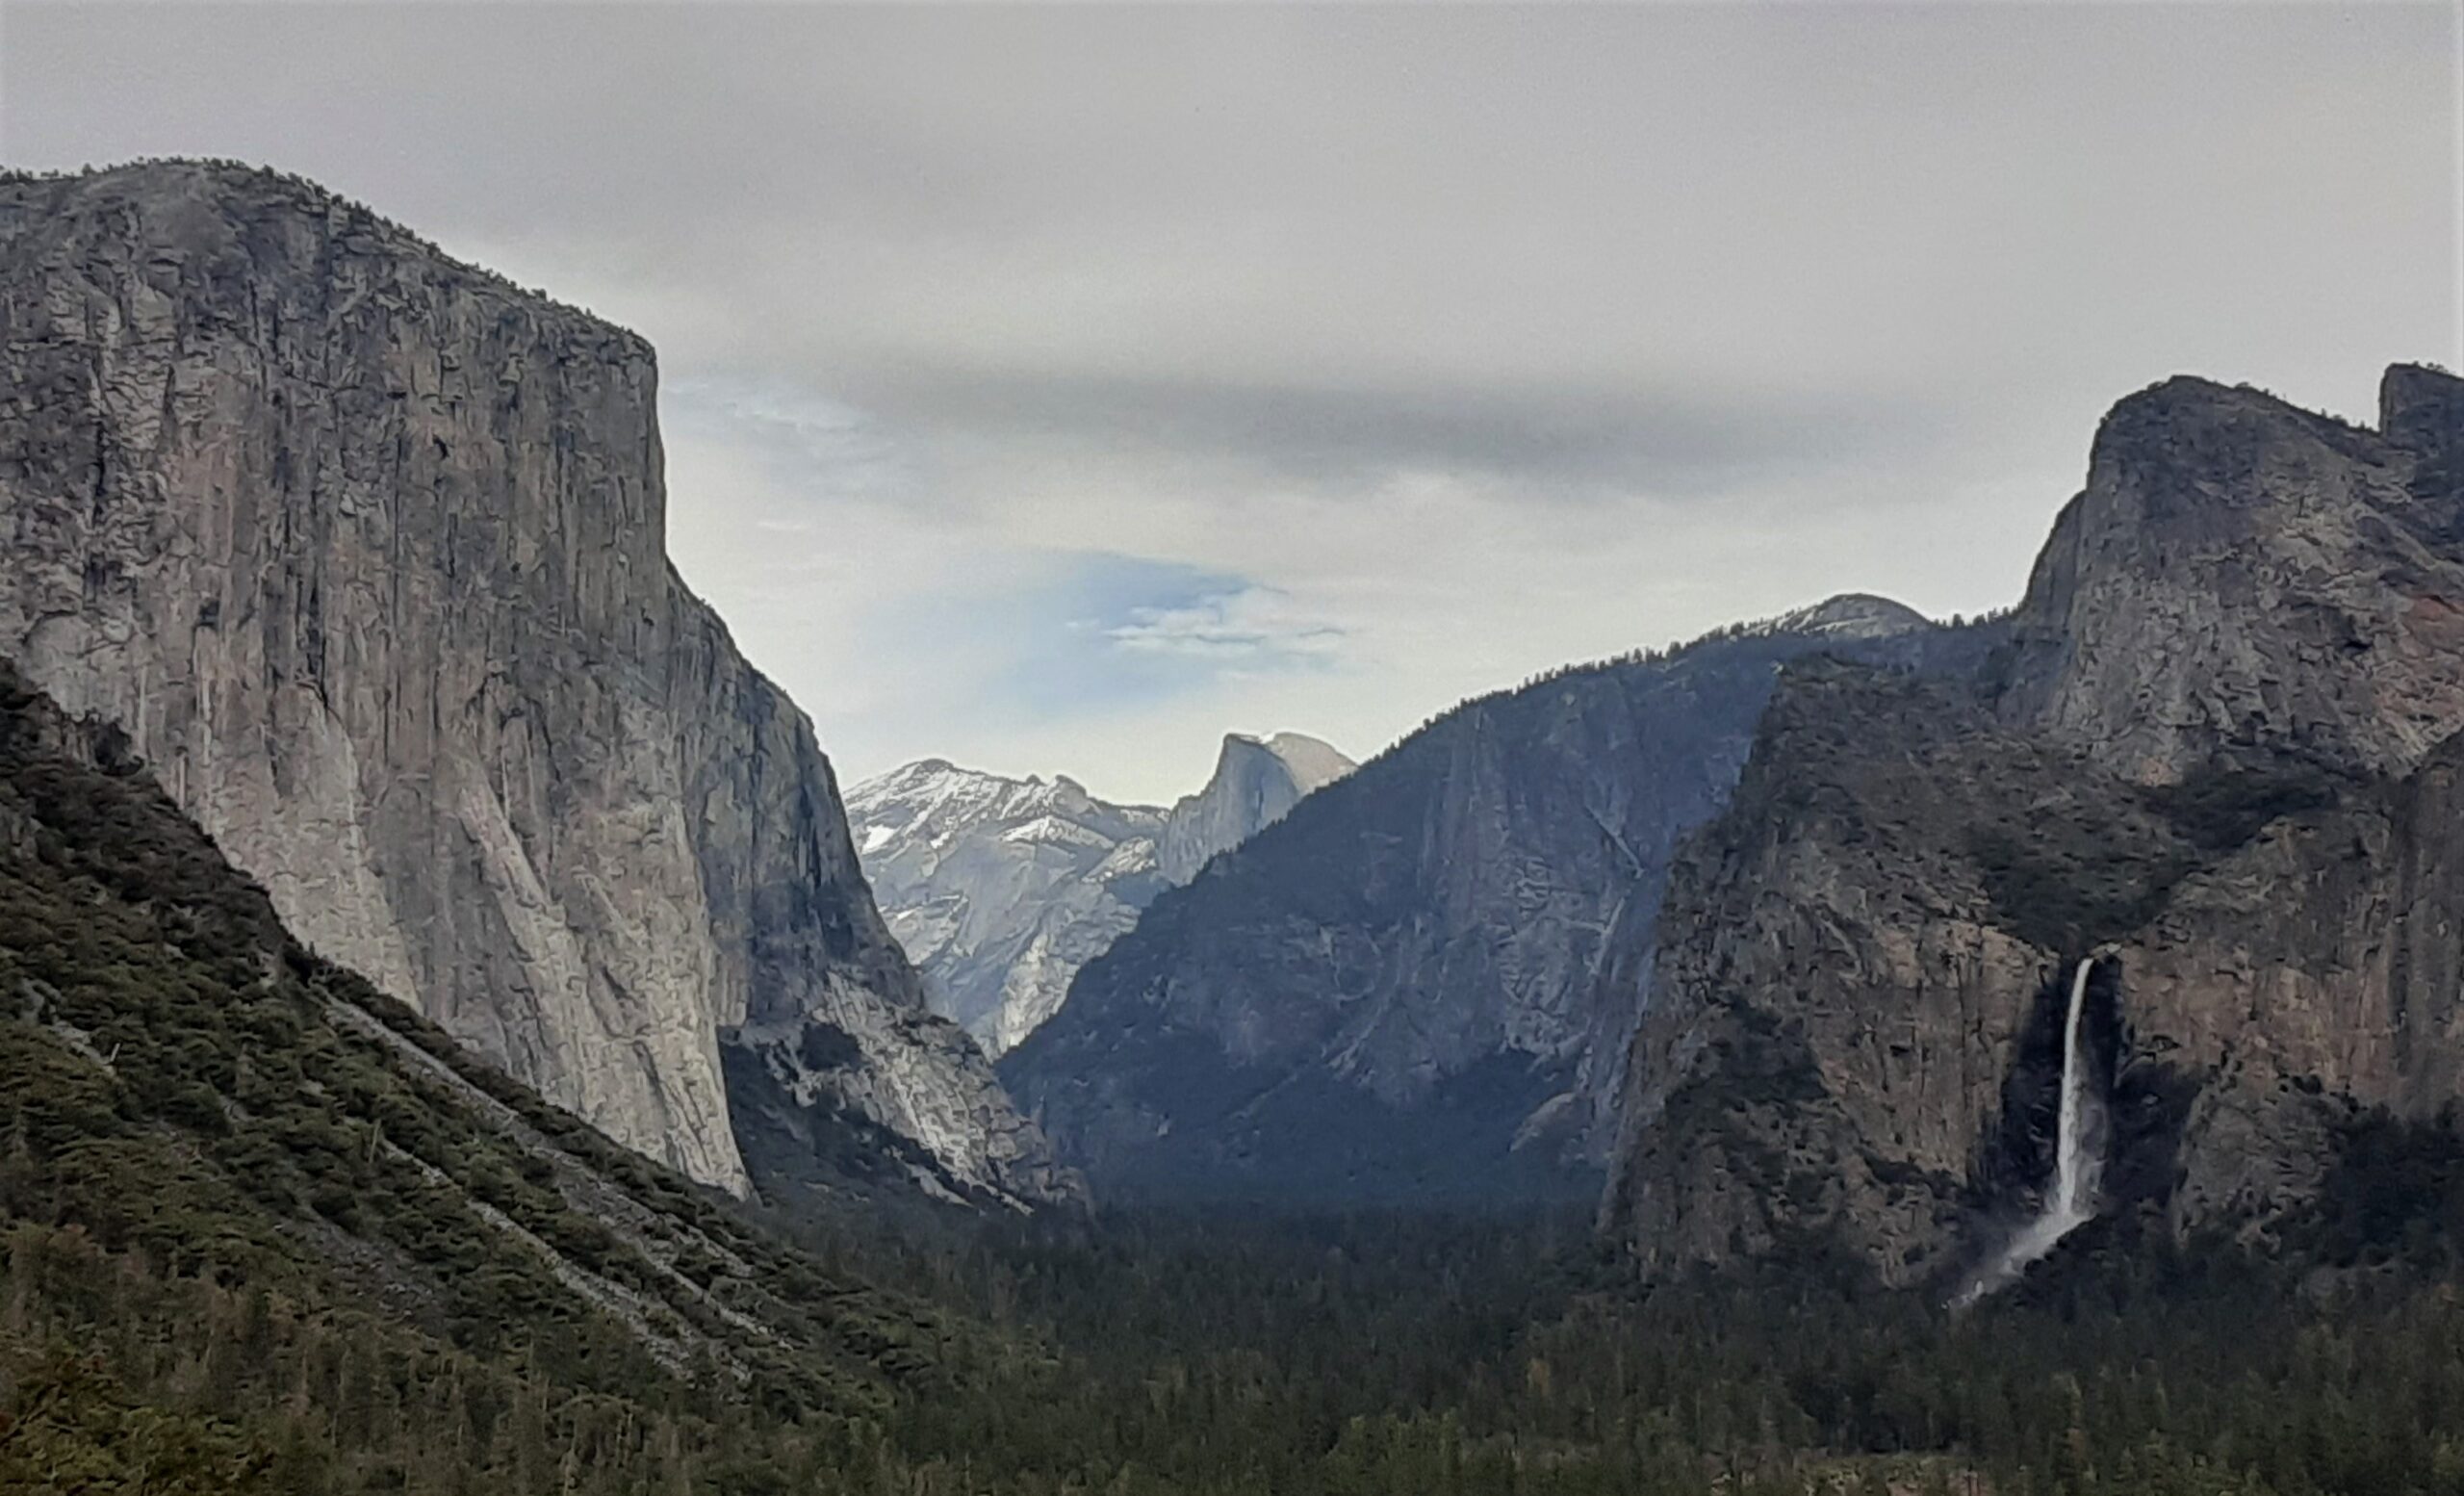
x=1411, y=1356
x=246, y=1246
x=1431, y=1355
x=265, y=1230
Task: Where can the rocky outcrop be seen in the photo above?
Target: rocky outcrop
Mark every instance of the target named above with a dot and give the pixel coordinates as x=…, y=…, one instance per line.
x=1256, y=782
x=1000, y=888
x=2239, y=571
x=1395, y=992
x=2217, y=753
x=364, y=549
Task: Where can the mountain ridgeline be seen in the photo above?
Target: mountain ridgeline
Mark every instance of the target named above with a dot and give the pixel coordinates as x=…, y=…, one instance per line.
x=364, y=549
x=1402, y=992
x=2094, y=968
x=1001, y=888
x=2217, y=752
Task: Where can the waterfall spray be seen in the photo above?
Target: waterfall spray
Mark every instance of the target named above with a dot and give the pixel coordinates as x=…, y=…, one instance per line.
x=2078, y=1157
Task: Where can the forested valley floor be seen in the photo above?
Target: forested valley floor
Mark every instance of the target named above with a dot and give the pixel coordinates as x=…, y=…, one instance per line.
x=264, y=1232
x=1392, y=1355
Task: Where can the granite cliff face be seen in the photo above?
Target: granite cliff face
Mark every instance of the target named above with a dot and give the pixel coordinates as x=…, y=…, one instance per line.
x=1001, y=888
x=1256, y=782
x=1395, y=992
x=364, y=549
x=2239, y=571
x=2217, y=753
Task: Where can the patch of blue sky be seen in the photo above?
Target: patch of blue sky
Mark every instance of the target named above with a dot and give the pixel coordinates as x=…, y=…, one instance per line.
x=1091, y=632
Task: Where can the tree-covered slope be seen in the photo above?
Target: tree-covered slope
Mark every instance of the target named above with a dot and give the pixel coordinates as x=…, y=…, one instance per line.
x=262, y=1231
x=264, y=1223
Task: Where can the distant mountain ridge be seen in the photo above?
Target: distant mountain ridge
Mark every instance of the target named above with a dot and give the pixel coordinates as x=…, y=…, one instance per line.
x=1001, y=888
x=1398, y=991
x=1256, y=782
x=1850, y=615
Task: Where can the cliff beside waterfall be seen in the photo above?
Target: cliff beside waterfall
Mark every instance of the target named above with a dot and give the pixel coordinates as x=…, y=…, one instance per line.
x=2215, y=745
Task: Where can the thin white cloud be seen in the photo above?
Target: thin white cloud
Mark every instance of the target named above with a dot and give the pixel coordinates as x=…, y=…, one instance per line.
x=1256, y=628
x=842, y=452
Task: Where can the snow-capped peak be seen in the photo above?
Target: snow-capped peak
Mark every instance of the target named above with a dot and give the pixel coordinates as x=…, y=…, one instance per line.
x=1001, y=887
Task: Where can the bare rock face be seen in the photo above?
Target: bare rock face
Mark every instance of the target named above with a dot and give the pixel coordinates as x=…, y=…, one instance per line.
x=2217, y=753
x=1851, y=958
x=2239, y=570
x=1001, y=888
x=1256, y=782
x=1396, y=992
x=364, y=548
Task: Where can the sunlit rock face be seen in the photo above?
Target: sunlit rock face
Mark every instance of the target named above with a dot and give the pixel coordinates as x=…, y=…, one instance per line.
x=1001, y=888
x=365, y=549
x=2216, y=748
x=1256, y=782
x=1419, y=985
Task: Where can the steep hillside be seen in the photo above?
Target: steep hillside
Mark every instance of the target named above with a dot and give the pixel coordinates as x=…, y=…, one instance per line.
x=365, y=549
x=1001, y=888
x=2219, y=758
x=1395, y=994
x=238, y=1175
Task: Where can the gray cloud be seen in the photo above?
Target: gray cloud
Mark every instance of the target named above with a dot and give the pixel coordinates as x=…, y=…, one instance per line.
x=1399, y=317
x=1569, y=443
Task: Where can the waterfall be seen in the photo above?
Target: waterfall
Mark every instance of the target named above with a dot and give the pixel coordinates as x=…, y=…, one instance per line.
x=2078, y=1157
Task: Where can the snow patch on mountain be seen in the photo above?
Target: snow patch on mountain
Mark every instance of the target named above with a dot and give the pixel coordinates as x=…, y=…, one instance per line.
x=1851, y=615
x=1000, y=888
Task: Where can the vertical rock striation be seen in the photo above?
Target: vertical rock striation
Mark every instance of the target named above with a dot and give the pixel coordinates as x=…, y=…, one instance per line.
x=2218, y=752
x=2238, y=570
x=364, y=548
x=1255, y=783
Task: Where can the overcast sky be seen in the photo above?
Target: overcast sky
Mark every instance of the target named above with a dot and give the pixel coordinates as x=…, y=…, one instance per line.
x=1055, y=389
